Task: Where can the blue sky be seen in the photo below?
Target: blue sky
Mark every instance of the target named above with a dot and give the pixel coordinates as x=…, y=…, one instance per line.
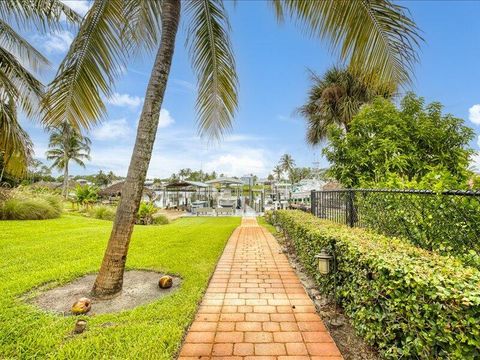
x=272, y=62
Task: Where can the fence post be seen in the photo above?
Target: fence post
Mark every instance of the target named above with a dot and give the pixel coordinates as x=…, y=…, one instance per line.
x=350, y=208
x=313, y=204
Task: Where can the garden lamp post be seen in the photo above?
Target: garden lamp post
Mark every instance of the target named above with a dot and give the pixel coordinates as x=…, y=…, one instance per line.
x=324, y=259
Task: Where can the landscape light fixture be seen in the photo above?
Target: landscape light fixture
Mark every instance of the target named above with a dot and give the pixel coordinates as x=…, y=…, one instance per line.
x=324, y=259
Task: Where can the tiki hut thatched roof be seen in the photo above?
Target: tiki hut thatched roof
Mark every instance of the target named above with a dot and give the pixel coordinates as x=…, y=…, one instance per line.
x=112, y=190
x=332, y=185
x=116, y=190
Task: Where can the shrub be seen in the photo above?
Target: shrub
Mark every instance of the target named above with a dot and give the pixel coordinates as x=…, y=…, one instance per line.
x=446, y=224
x=86, y=195
x=406, y=301
x=145, y=214
x=37, y=208
x=160, y=219
x=102, y=212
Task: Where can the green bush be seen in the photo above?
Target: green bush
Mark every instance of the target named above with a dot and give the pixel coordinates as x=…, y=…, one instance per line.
x=102, y=212
x=160, y=219
x=446, y=224
x=85, y=195
x=36, y=208
x=408, y=302
x=146, y=211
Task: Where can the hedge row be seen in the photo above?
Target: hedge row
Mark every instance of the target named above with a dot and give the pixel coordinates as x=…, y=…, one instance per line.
x=406, y=301
x=447, y=224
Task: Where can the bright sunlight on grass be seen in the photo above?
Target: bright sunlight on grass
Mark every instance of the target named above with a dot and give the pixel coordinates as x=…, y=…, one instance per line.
x=56, y=251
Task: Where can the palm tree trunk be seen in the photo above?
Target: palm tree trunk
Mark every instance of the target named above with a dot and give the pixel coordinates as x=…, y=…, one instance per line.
x=110, y=278
x=65, y=180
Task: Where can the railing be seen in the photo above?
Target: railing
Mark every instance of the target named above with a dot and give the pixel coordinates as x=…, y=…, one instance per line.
x=448, y=221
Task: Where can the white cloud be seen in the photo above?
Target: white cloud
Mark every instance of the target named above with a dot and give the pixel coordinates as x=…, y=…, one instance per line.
x=165, y=119
x=474, y=114
x=80, y=6
x=56, y=42
x=125, y=100
x=112, y=130
x=238, y=163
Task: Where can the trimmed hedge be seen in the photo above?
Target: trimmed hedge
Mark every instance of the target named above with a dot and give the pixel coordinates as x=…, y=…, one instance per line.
x=446, y=224
x=406, y=301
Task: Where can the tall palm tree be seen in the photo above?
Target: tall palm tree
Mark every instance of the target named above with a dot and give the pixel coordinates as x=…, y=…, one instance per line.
x=336, y=97
x=67, y=144
x=370, y=34
x=20, y=65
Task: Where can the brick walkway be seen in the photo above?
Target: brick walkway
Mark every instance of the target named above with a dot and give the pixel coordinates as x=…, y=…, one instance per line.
x=255, y=307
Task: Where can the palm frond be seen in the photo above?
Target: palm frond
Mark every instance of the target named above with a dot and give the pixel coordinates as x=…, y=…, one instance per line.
x=376, y=36
x=143, y=25
x=42, y=13
x=15, y=144
x=21, y=49
x=19, y=83
x=214, y=64
x=95, y=59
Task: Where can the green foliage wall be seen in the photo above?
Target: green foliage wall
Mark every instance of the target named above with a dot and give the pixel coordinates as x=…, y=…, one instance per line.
x=447, y=224
x=410, y=142
x=408, y=302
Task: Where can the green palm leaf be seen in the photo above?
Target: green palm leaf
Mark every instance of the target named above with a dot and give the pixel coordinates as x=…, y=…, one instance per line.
x=143, y=25
x=17, y=45
x=376, y=36
x=42, y=13
x=19, y=84
x=94, y=61
x=15, y=144
x=214, y=64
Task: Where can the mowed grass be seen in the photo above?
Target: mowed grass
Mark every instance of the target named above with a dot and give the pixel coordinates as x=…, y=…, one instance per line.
x=57, y=251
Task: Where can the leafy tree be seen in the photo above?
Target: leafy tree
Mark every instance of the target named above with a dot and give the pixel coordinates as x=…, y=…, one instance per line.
x=102, y=179
x=20, y=64
x=38, y=171
x=371, y=35
x=336, y=97
x=408, y=142
x=67, y=144
x=300, y=173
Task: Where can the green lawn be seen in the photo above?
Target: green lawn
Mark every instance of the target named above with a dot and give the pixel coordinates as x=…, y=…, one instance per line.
x=56, y=251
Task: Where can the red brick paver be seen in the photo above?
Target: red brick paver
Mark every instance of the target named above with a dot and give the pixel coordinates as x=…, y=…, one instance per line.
x=255, y=307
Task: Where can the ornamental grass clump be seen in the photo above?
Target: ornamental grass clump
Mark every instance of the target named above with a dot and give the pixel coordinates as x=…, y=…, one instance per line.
x=23, y=205
x=102, y=212
x=406, y=301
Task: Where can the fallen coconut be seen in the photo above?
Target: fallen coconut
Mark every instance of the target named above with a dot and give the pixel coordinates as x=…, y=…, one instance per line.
x=80, y=326
x=165, y=282
x=82, y=306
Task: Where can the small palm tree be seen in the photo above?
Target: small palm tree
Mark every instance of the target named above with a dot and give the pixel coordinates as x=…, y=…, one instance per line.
x=67, y=144
x=336, y=97
x=287, y=164
x=20, y=64
x=278, y=171
x=370, y=34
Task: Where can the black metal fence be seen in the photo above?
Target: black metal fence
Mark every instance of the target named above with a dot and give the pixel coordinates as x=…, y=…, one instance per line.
x=448, y=221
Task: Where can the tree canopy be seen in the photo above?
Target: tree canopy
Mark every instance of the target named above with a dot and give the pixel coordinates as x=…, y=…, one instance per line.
x=408, y=142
